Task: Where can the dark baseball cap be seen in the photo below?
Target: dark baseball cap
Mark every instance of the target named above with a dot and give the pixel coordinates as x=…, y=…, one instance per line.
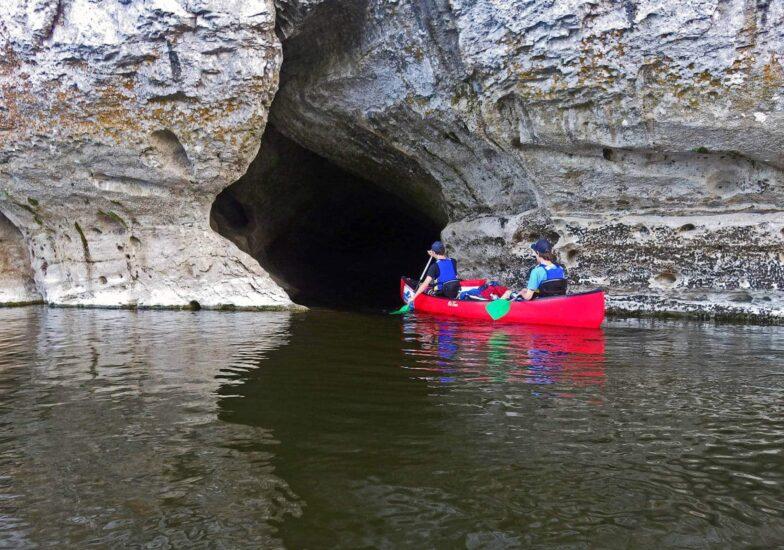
x=541, y=246
x=438, y=247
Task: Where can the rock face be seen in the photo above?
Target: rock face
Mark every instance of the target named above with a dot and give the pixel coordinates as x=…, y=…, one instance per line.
x=119, y=123
x=647, y=138
x=16, y=276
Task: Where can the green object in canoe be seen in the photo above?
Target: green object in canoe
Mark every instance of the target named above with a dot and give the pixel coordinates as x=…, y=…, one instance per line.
x=498, y=308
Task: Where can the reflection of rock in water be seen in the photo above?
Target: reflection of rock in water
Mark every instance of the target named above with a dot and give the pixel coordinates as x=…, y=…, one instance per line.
x=451, y=350
x=110, y=432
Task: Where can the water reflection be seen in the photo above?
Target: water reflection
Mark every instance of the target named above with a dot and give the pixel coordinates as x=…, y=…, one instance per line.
x=109, y=432
x=267, y=430
x=448, y=350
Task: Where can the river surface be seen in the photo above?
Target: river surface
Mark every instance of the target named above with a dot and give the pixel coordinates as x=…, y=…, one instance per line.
x=348, y=430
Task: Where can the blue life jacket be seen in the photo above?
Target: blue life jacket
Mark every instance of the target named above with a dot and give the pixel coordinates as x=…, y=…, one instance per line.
x=555, y=284
x=446, y=272
x=555, y=272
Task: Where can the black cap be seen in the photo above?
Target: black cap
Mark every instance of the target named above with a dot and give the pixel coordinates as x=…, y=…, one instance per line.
x=541, y=246
x=438, y=247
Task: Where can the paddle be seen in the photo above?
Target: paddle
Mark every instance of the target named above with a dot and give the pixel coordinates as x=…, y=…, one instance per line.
x=406, y=308
x=498, y=308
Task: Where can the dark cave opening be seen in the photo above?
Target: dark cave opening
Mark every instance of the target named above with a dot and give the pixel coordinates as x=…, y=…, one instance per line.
x=328, y=237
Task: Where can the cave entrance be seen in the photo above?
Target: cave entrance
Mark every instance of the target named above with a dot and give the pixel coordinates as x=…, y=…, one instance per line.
x=328, y=237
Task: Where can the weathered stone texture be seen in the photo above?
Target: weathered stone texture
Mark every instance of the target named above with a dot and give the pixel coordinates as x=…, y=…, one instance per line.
x=646, y=137
x=16, y=276
x=119, y=124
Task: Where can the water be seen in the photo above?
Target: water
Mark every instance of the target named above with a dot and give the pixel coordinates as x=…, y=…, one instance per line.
x=173, y=429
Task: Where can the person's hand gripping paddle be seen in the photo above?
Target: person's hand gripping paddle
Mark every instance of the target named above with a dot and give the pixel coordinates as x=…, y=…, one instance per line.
x=406, y=308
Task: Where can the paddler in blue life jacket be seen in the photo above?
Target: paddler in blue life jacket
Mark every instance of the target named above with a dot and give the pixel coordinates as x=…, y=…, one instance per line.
x=547, y=278
x=442, y=272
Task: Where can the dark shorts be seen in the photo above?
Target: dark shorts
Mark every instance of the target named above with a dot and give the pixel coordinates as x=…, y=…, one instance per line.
x=449, y=290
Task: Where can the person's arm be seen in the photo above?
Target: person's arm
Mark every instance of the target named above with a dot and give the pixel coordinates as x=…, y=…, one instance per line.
x=527, y=294
x=423, y=286
x=524, y=294
x=534, y=280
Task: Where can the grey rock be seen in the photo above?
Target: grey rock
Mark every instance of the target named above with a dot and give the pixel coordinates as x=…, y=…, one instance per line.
x=16, y=276
x=120, y=123
x=646, y=138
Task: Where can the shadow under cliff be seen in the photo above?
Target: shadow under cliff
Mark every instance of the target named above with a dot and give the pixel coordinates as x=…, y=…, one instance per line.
x=328, y=237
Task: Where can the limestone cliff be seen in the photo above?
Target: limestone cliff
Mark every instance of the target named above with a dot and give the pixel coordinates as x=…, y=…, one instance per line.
x=645, y=137
x=120, y=122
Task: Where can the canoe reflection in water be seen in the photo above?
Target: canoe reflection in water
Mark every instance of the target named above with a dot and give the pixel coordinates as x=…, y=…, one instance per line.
x=450, y=350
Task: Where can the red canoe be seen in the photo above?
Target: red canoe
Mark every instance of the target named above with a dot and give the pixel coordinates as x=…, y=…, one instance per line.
x=585, y=309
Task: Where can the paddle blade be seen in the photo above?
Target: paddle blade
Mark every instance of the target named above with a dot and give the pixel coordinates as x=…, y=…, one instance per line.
x=405, y=309
x=498, y=308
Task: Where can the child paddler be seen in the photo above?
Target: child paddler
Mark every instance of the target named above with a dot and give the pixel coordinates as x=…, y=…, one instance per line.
x=548, y=278
x=442, y=272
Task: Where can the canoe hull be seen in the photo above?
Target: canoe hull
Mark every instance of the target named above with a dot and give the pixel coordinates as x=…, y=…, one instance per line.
x=584, y=310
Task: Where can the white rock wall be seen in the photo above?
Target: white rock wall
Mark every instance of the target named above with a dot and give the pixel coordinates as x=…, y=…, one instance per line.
x=119, y=123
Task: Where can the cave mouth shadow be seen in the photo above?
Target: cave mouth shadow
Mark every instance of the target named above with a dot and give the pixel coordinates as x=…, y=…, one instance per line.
x=328, y=237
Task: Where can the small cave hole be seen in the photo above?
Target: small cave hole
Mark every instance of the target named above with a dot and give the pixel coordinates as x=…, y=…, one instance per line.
x=685, y=228
x=327, y=236
x=102, y=280
x=740, y=296
x=451, y=136
x=666, y=279
x=134, y=241
x=193, y=305
x=723, y=183
x=169, y=151
x=641, y=231
x=231, y=212
x=607, y=153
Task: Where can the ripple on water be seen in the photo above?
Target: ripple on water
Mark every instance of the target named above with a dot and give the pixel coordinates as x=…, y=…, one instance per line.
x=109, y=431
x=346, y=430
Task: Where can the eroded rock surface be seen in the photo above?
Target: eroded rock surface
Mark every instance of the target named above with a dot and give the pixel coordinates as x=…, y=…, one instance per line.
x=119, y=124
x=645, y=137
x=16, y=275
